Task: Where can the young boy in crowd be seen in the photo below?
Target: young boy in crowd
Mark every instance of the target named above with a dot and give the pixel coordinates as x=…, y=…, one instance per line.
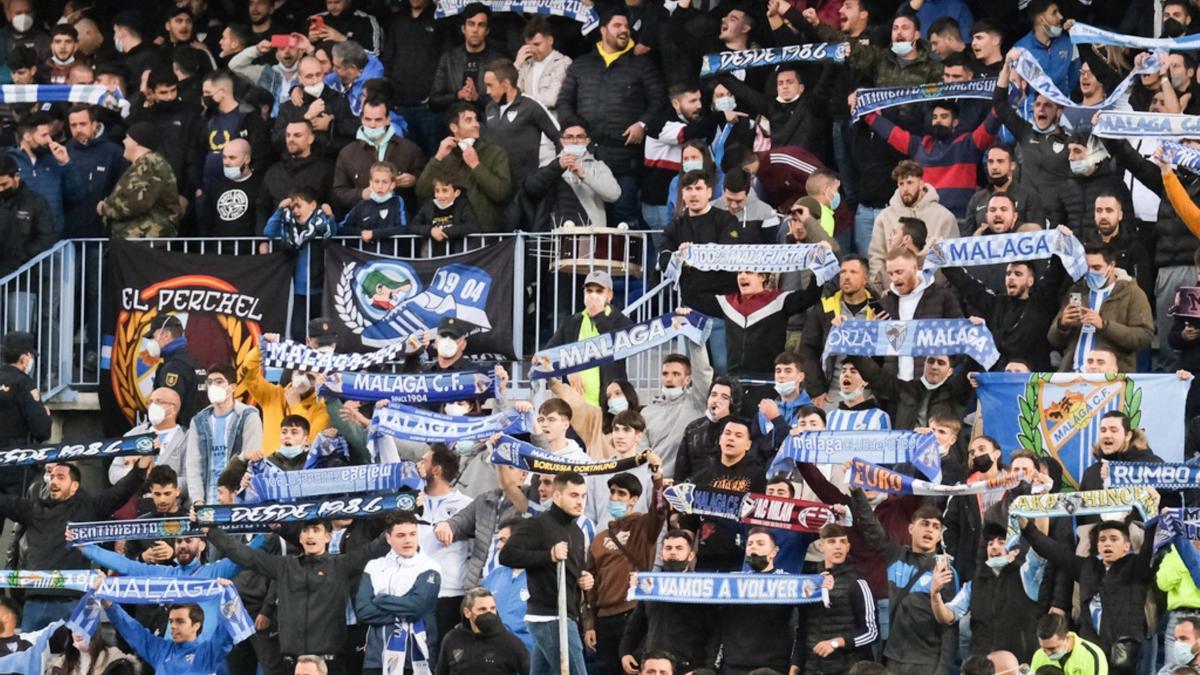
x=446, y=217
x=381, y=214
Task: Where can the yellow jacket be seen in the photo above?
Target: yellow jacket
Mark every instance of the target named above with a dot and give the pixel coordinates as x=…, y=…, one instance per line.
x=270, y=399
x=1174, y=579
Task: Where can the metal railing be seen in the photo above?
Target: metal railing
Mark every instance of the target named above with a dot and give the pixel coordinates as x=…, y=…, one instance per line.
x=58, y=294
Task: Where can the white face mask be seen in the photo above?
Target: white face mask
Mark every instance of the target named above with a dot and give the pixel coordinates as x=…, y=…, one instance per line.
x=152, y=348
x=118, y=45
x=575, y=150
x=443, y=205
x=292, y=451
x=232, y=172
x=314, y=90
x=156, y=414
x=853, y=394
x=217, y=394
x=712, y=416
x=929, y=385
x=447, y=347
x=301, y=383
x=672, y=393
x=22, y=22
x=31, y=367
x=465, y=143
x=725, y=104
x=457, y=409
x=618, y=404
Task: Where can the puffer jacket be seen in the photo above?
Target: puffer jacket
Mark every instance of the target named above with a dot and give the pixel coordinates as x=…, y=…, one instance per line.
x=480, y=521
x=850, y=615
x=1176, y=244
x=610, y=98
x=1072, y=205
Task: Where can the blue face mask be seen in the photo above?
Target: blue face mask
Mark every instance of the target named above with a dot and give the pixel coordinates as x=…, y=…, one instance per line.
x=1096, y=280
x=617, y=509
x=291, y=451
x=998, y=562
x=902, y=48
x=374, y=134
x=232, y=172
x=693, y=165
x=380, y=199
x=785, y=388
x=618, y=404
x=836, y=201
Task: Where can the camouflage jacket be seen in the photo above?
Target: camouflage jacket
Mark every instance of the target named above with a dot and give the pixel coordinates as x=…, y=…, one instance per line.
x=145, y=201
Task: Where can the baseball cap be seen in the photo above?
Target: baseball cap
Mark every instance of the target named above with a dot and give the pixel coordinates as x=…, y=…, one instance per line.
x=599, y=278
x=322, y=331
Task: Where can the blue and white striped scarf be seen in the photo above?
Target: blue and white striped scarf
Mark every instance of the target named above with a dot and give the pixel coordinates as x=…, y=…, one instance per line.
x=1085, y=34
x=724, y=62
x=85, y=618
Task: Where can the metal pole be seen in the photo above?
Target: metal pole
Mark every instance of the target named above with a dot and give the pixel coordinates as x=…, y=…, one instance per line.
x=564, y=658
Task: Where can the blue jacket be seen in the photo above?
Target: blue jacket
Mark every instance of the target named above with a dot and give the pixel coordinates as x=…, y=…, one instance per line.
x=1057, y=59
x=354, y=93
x=369, y=215
x=221, y=569
x=96, y=166
x=49, y=179
x=381, y=611
x=198, y=657
x=512, y=595
x=283, y=227
x=933, y=10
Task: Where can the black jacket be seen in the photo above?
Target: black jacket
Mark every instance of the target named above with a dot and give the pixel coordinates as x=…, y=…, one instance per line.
x=687, y=631
x=1073, y=204
x=610, y=99
x=1018, y=326
x=312, y=589
x=26, y=227
x=937, y=302
x=331, y=141
x=1176, y=244
x=768, y=643
x=205, y=165
x=756, y=325
x=849, y=616
x=606, y=322
x=1132, y=257
x=22, y=417
x=177, y=122
x=1026, y=202
x=410, y=54
x=1002, y=615
x=1044, y=164
x=45, y=520
x=529, y=549
x=180, y=371
x=717, y=226
x=467, y=653
x=910, y=402
x=285, y=175
x=519, y=130
x=451, y=75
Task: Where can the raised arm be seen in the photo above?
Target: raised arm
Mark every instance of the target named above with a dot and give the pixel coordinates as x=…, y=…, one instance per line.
x=236, y=550
x=872, y=530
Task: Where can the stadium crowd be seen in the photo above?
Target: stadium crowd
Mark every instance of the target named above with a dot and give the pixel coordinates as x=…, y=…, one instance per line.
x=302, y=120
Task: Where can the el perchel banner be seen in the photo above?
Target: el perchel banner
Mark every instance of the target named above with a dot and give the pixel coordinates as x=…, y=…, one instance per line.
x=224, y=302
x=376, y=300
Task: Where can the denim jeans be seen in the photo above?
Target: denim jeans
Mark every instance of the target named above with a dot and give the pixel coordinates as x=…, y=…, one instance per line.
x=864, y=224
x=717, y=350
x=626, y=209
x=656, y=219
x=41, y=612
x=424, y=129
x=544, y=660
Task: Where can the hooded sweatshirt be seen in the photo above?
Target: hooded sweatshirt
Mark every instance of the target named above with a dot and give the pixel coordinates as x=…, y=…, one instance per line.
x=939, y=222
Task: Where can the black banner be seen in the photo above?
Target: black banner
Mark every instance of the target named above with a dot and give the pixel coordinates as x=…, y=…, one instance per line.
x=225, y=302
x=376, y=300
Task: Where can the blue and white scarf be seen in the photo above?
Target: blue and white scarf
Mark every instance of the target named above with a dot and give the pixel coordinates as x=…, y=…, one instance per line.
x=85, y=618
x=920, y=337
x=576, y=10
x=325, y=447
x=882, y=447
x=281, y=485
x=1085, y=503
x=141, y=444
x=141, y=528
x=1118, y=124
x=1085, y=34
x=769, y=258
x=296, y=356
x=1179, y=528
x=874, y=99
x=95, y=94
x=617, y=345
x=410, y=387
x=1180, y=155
x=724, y=62
x=1158, y=475
x=868, y=476
x=395, y=650
x=353, y=505
x=1006, y=248
x=32, y=660
x=425, y=426
x=729, y=588
x=72, y=580
x=1031, y=71
x=512, y=452
x=688, y=498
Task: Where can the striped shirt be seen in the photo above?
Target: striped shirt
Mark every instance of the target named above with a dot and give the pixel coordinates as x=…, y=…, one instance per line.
x=1087, y=338
x=869, y=419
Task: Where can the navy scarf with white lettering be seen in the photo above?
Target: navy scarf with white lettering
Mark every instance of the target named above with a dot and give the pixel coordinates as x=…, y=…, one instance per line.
x=724, y=62
x=296, y=356
x=700, y=501
x=512, y=452
x=617, y=345
x=353, y=505
x=729, y=588
x=281, y=485
x=424, y=426
x=85, y=618
x=920, y=337
x=576, y=10
x=462, y=385
x=868, y=476
x=98, y=532
x=1158, y=475
x=874, y=99
x=992, y=249
x=141, y=444
x=882, y=447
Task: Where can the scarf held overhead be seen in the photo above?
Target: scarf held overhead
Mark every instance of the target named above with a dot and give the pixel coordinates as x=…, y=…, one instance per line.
x=424, y=426
x=724, y=62
x=1005, y=248
x=1158, y=475
x=280, y=485
x=512, y=452
x=922, y=337
x=783, y=513
x=85, y=618
x=868, y=476
x=1119, y=124
x=1085, y=503
x=617, y=345
x=1085, y=34
x=295, y=356
x=769, y=258
x=141, y=444
x=141, y=528
x=869, y=100
x=351, y=506
x=1031, y=72
x=576, y=10
x=882, y=447
x=410, y=387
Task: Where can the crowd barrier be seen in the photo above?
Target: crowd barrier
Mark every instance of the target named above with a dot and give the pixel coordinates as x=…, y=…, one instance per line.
x=58, y=294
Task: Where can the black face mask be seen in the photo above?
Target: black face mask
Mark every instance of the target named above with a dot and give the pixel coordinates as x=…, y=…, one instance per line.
x=8, y=194
x=674, y=565
x=1172, y=28
x=757, y=562
x=209, y=104
x=997, y=181
x=488, y=624
x=941, y=132
x=982, y=463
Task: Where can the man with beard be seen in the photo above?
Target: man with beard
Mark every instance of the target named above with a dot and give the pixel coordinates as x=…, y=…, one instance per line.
x=43, y=164
x=327, y=111
x=913, y=198
x=853, y=300
x=64, y=40
x=174, y=119
x=1131, y=255
x=839, y=634
x=1000, y=218
x=952, y=155
x=1001, y=166
x=665, y=136
x=225, y=119
x=1019, y=316
x=769, y=642
x=263, y=22
x=1041, y=142
x=721, y=545
x=97, y=163
x=685, y=629
x=1118, y=442
x=302, y=168
x=1092, y=174
x=912, y=295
